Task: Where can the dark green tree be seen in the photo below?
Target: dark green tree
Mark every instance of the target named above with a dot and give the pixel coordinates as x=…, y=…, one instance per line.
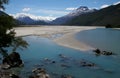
x=2, y=2
x=7, y=33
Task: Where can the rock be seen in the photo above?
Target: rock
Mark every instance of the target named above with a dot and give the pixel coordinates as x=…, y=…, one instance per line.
x=107, y=53
x=62, y=56
x=88, y=65
x=5, y=67
x=64, y=65
x=66, y=76
x=43, y=75
x=97, y=51
x=46, y=59
x=40, y=73
x=4, y=74
x=14, y=76
x=7, y=74
x=53, y=62
x=31, y=76
x=13, y=60
x=85, y=63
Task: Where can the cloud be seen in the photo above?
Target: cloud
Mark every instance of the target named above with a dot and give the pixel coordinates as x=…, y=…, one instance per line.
x=26, y=9
x=104, y=6
x=35, y=17
x=116, y=3
x=50, y=12
x=70, y=9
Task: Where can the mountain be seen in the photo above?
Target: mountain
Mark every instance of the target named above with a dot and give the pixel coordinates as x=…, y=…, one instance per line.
x=26, y=20
x=79, y=11
x=109, y=15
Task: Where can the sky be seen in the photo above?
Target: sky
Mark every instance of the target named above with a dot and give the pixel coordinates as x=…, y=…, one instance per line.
x=52, y=8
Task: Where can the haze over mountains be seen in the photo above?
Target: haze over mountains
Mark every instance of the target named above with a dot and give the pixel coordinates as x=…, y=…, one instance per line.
x=80, y=16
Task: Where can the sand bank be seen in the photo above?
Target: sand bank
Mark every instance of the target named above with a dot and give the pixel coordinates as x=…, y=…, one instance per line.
x=67, y=39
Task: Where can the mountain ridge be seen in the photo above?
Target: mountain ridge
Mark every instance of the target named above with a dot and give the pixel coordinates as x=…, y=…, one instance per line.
x=79, y=11
x=109, y=15
x=82, y=16
x=27, y=20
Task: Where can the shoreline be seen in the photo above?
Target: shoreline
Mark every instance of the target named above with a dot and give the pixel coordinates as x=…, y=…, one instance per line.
x=70, y=41
x=67, y=39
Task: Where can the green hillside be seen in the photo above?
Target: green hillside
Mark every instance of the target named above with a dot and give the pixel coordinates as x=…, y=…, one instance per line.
x=102, y=17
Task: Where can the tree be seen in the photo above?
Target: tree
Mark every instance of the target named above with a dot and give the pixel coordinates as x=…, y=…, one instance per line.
x=18, y=43
x=2, y=2
x=7, y=33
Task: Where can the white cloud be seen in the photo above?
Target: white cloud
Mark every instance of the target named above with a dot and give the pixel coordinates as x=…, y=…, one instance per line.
x=70, y=9
x=50, y=12
x=26, y=9
x=104, y=6
x=45, y=18
x=116, y=3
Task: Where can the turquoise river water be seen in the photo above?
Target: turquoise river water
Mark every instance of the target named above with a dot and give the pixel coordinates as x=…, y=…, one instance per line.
x=41, y=49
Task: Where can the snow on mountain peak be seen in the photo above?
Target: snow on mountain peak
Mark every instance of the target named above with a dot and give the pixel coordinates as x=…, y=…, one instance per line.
x=34, y=17
x=80, y=10
x=83, y=8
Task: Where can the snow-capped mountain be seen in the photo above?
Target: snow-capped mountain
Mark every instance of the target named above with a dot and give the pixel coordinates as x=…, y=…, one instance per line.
x=105, y=16
x=25, y=18
x=79, y=11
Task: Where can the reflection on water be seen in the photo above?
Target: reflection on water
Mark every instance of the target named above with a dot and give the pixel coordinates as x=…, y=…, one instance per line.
x=58, y=60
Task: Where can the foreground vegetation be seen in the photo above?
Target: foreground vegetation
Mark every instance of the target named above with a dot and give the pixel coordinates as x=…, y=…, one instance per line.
x=8, y=39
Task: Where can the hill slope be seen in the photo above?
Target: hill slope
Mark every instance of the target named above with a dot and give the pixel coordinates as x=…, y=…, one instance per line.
x=109, y=15
x=79, y=11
